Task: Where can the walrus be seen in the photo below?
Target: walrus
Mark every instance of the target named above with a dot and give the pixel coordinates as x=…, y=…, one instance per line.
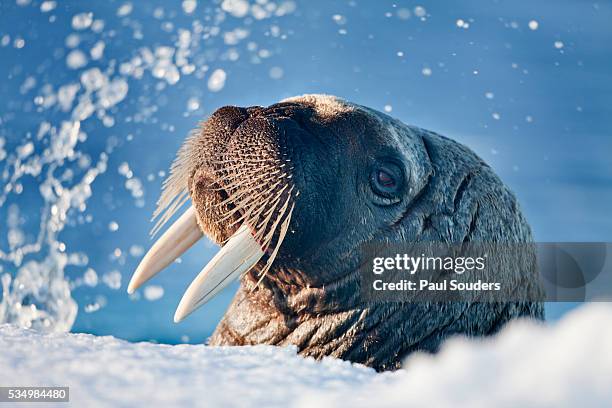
x=291, y=191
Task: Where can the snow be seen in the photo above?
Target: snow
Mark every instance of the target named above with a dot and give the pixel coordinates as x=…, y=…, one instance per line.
x=568, y=364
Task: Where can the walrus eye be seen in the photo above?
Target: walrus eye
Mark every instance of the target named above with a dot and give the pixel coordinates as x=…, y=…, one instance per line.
x=387, y=180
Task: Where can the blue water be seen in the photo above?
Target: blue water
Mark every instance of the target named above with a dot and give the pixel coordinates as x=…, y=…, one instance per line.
x=535, y=104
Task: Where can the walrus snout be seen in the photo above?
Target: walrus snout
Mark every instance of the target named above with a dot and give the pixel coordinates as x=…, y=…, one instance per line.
x=240, y=177
x=270, y=158
x=243, y=174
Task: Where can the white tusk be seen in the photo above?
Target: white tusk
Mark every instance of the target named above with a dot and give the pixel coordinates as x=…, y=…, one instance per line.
x=177, y=239
x=236, y=257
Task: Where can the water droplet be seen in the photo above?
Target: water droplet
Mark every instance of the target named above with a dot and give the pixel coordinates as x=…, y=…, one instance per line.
x=82, y=21
x=216, y=81
x=153, y=292
x=276, y=72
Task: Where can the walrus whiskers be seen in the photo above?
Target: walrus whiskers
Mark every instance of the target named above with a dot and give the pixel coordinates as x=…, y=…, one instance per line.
x=243, y=192
x=201, y=288
x=281, y=237
x=173, y=206
x=261, y=227
x=242, y=205
x=254, y=189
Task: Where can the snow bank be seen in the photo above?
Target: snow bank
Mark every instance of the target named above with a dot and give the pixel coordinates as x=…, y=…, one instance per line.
x=568, y=364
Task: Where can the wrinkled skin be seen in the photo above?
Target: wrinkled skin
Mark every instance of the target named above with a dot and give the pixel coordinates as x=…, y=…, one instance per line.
x=310, y=297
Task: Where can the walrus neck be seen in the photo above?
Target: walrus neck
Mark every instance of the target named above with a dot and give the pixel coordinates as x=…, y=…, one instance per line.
x=370, y=334
x=294, y=293
x=314, y=318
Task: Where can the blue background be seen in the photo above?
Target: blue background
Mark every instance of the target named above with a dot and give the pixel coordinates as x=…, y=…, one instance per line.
x=551, y=142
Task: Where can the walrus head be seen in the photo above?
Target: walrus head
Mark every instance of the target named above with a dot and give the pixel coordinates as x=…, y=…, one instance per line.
x=292, y=191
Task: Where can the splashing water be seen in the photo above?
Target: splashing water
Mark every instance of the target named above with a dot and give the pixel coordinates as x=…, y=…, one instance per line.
x=56, y=155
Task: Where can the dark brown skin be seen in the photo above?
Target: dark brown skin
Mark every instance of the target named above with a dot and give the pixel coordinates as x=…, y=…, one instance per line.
x=310, y=297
